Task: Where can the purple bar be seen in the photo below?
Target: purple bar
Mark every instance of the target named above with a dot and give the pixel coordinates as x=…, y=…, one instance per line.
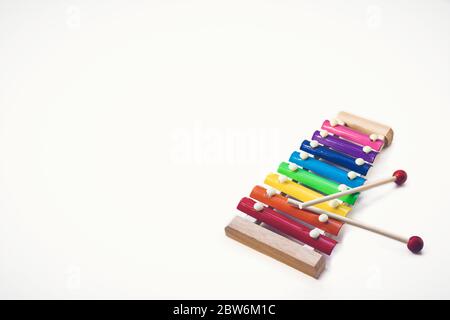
x=344, y=146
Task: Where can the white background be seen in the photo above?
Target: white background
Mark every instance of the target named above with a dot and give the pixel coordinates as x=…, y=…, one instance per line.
x=131, y=129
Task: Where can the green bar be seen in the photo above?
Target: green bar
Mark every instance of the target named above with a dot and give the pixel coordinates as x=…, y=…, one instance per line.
x=315, y=182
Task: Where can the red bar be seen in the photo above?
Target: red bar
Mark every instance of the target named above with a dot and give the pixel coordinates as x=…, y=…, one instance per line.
x=287, y=226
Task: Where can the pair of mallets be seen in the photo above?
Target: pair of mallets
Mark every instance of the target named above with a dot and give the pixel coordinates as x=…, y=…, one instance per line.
x=414, y=243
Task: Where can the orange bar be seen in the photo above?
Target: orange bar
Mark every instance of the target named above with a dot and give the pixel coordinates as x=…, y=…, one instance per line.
x=279, y=202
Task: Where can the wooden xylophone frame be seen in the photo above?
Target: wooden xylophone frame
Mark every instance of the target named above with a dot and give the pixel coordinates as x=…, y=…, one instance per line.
x=305, y=178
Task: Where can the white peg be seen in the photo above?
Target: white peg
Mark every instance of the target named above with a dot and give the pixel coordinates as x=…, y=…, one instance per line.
x=352, y=175
x=334, y=203
x=323, y=133
x=304, y=155
x=367, y=149
x=314, y=144
x=359, y=161
x=314, y=233
x=271, y=192
x=333, y=122
x=373, y=137
x=258, y=206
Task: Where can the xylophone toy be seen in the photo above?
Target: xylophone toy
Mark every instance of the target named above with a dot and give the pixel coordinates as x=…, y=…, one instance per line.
x=310, y=196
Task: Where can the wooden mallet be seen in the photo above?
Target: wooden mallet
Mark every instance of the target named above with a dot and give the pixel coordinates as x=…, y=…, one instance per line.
x=414, y=243
x=399, y=177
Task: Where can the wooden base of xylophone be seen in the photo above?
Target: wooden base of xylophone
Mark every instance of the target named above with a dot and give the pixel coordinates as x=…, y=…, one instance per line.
x=276, y=246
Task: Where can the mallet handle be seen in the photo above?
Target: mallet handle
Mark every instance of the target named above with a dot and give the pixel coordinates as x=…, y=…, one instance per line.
x=353, y=222
x=345, y=192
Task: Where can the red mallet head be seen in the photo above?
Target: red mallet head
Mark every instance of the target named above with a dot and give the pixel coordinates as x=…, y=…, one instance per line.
x=415, y=244
x=400, y=177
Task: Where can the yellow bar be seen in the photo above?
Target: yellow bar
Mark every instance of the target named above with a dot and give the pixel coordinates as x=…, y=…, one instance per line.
x=304, y=194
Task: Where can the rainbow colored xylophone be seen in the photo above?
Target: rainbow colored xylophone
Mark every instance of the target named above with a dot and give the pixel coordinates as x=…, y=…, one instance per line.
x=326, y=176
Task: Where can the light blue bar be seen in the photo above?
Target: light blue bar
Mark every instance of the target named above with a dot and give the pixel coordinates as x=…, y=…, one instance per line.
x=326, y=170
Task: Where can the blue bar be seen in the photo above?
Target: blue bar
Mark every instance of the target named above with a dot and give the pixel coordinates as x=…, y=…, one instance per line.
x=326, y=170
x=335, y=157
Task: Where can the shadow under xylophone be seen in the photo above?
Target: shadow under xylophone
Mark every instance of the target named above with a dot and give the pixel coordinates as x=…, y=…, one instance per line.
x=336, y=159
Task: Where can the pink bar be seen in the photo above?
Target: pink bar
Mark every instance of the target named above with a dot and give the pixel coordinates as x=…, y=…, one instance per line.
x=352, y=135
